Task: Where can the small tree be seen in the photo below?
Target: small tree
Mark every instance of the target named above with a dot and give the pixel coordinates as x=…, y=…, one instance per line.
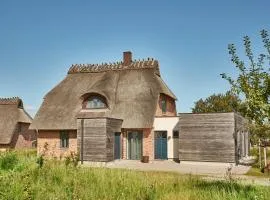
x=227, y=102
x=253, y=83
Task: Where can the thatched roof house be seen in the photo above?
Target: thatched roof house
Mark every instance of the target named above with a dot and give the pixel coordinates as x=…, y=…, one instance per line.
x=14, y=120
x=130, y=90
x=124, y=110
x=131, y=93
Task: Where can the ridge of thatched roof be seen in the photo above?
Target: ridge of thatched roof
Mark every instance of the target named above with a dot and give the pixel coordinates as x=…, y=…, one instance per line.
x=11, y=113
x=115, y=66
x=11, y=101
x=131, y=91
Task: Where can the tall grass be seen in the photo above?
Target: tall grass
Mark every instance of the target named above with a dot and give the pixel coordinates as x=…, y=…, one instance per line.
x=8, y=161
x=55, y=180
x=254, y=151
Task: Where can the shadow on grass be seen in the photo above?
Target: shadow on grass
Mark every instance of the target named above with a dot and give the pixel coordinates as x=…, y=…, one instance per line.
x=227, y=186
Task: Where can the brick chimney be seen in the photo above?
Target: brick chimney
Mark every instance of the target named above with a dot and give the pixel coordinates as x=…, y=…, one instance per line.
x=127, y=58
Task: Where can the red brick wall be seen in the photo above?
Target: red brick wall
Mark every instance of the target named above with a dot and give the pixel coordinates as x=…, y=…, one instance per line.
x=170, y=106
x=24, y=138
x=124, y=144
x=148, y=143
x=48, y=143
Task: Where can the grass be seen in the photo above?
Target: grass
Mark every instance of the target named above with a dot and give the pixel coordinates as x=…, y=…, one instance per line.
x=254, y=151
x=55, y=180
x=255, y=169
x=257, y=172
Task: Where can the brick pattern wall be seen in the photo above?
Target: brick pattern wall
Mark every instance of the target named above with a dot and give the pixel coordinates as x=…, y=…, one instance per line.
x=124, y=144
x=148, y=143
x=170, y=106
x=25, y=137
x=48, y=143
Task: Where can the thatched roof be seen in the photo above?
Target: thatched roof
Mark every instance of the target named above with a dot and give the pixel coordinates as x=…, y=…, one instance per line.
x=11, y=112
x=131, y=91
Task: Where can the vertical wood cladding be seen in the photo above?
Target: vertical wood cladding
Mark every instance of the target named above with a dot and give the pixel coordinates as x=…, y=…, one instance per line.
x=98, y=138
x=242, y=139
x=208, y=137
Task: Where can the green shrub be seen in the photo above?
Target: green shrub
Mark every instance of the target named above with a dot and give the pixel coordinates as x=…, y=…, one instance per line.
x=72, y=159
x=8, y=160
x=40, y=161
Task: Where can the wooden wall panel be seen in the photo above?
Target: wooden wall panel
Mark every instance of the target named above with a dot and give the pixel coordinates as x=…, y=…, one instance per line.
x=207, y=137
x=97, y=137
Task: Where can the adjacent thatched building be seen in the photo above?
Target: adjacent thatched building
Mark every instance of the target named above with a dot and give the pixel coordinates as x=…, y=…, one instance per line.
x=216, y=137
x=14, y=124
x=104, y=112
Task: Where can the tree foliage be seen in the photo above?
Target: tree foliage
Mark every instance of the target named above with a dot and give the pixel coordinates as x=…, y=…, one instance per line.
x=227, y=102
x=253, y=81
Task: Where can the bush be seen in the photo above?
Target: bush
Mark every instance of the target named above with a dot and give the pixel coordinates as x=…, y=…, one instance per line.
x=40, y=161
x=73, y=159
x=8, y=161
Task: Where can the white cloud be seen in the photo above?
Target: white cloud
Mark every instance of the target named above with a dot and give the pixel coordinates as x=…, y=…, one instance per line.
x=30, y=109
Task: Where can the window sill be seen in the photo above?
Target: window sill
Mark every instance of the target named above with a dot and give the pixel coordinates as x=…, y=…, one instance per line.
x=64, y=148
x=94, y=110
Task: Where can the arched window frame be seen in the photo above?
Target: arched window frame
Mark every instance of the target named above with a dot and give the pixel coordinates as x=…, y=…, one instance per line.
x=91, y=97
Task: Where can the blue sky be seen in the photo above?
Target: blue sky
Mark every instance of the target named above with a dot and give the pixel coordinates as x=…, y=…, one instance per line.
x=39, y=40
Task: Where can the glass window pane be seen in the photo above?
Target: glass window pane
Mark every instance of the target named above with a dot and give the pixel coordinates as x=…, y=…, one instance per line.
x=95, y=102
x=175, y=134
x=64, y=139
x=163, y=105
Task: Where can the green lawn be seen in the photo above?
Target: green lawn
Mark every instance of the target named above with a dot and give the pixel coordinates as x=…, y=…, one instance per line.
x=21, y=178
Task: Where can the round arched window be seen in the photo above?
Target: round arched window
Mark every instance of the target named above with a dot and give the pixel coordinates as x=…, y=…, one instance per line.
x=94, y=102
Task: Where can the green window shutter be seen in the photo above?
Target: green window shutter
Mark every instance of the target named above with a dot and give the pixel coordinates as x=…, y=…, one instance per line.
x=164, y=105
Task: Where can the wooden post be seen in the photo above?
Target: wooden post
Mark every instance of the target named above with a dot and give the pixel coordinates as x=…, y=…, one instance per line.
x=260, y=160
x=265, y=159
x=82, y=135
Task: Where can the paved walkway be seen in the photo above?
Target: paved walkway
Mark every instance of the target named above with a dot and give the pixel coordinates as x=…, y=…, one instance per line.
x=197, y=168
x=209, y=170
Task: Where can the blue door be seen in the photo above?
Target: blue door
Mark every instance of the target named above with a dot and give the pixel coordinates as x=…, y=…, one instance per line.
x=161, y=145
x=117, y=145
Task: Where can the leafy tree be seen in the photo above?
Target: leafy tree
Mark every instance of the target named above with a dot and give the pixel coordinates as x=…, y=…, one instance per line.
x=253, y=83
x=227, y=102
